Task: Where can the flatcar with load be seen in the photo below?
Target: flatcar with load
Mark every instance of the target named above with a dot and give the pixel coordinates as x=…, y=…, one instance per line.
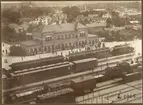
x=27, y=94
x=64, y=95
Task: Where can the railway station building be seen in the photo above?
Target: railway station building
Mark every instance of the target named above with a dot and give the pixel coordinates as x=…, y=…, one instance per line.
x=52, y=38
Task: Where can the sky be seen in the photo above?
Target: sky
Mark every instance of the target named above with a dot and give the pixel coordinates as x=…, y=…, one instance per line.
x=53, y=3
x=63, y=2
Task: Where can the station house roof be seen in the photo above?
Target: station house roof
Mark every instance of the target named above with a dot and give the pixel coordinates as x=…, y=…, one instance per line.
x=30, y=43
x=65, y=27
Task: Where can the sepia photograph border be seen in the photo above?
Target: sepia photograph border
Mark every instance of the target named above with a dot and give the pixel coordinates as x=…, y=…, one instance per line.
x=58, y=1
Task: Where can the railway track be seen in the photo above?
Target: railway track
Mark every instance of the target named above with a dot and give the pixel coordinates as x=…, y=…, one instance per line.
x=98, y=70
x=111, y=92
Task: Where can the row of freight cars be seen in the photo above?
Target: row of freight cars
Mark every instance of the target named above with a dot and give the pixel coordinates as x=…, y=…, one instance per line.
x=48, y=70
x=58, y=92
x=27, y=76
x=98, y=53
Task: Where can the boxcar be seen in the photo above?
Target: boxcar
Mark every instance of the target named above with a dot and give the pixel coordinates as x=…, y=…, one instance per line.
x=83, y=85
x=52, y=71
x=36, y=63
x=85, y=64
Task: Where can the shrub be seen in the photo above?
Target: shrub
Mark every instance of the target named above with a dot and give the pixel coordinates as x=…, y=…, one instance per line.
x=17, y=51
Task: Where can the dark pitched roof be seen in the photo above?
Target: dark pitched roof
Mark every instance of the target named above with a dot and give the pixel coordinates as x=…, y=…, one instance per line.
x=30, y=43
x=96, y=25
x=58, y=27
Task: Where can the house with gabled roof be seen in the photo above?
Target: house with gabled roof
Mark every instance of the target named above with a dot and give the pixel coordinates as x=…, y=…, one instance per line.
x=52, y=38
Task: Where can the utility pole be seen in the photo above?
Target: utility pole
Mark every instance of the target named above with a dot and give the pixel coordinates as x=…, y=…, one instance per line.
x=42, y=42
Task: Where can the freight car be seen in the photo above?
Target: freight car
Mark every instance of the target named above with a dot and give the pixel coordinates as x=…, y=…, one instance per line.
x=64, y=95
x=83, y=85
x=122, y=49
x=24, y=95
x=132, y=76
x=98, y=53
x=51, y=71
x=36, y=63
x=27, y=76
x=85, y=64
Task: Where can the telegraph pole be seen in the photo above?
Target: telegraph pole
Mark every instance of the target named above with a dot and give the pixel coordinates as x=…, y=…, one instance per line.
x=42, y=43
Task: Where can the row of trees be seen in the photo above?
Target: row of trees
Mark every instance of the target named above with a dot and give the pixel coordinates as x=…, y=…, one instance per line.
x=126, y=34
x=116, y=20
x=10, y=35
x=14, y=14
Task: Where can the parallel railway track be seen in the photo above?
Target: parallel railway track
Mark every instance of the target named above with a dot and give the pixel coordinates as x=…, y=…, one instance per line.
x=110, y=96
x=98, y=70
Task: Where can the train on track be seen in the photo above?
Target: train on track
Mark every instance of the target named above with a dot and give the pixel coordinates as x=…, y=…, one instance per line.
x=98, y=53
x=52, y=67
x=27, y=76
x=76, y=87
x=18, y=76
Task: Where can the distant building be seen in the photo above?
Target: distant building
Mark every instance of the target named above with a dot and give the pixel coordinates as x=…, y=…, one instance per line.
x=48, y=20
x=51, y=38
x=96, y=25
x=107, y=15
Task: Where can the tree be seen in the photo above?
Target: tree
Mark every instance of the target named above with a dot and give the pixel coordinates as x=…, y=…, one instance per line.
x=72, y=12
x=85, y=13
x=8, y=34
x=11, y=16
x=66, y=10
x=108, y=22
x=17, y=51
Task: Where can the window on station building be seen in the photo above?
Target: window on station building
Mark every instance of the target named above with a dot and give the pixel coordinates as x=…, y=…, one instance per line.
x=89, y=41
x=76, y=43
x=45, y=48
x=48, y=38
x=82, y=34
x=62, y=37
x=58, y=37
x=95, y=40
x=31, y=50
x=92, y=41
x=73, y=35
x=58, y=46
x=40, y=49
x=65, y=36
x=49, y=48
x=69, y=36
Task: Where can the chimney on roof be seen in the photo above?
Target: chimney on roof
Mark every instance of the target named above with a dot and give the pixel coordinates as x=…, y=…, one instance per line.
x=76, y=24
